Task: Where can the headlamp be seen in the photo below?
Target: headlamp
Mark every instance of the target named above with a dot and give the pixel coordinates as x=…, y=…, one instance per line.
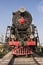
x=31, y=36
x=22, y=10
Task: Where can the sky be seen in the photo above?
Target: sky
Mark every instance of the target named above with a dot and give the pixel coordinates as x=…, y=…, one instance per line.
x=35, y=7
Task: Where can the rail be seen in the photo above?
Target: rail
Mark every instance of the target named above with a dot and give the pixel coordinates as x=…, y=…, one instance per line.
x=10, y=60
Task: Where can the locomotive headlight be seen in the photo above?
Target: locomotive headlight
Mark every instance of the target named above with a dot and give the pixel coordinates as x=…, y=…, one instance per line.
x=12, y=36
x=31, y=36
x=22, y=10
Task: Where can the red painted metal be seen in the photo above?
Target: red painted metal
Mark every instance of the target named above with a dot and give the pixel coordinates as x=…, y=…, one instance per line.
x=22, y=51
x=21, y=21
x=14, y=43
x=31, y=43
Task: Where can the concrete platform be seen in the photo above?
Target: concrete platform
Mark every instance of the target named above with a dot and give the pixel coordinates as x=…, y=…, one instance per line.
x=6, y=59
x=0, y=60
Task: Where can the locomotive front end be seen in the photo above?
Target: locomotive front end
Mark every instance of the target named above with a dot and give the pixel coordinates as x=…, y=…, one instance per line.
x=22, y=37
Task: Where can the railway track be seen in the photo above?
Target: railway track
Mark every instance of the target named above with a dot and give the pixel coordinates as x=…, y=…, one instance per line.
x=33, y=60
x=26, y=61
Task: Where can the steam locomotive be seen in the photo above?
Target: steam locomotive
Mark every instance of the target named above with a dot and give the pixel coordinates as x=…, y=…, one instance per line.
x=23, y=36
